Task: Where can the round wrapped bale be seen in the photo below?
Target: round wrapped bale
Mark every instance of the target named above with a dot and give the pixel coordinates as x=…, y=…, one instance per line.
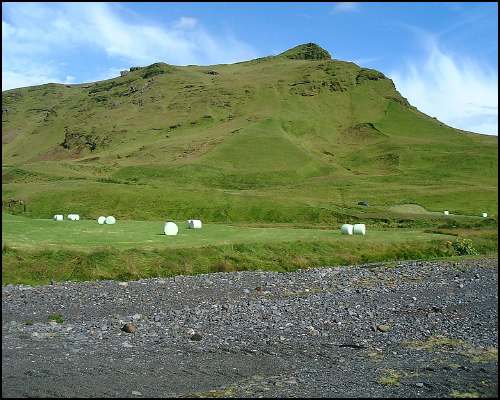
x=101, y=220
x=446, y=212
x=485, y=215
x=359, y=229
x=170, y=228
x=110, y=220
x=58, y=217
x=73, y=217
x=346, y=229
x=194, y=224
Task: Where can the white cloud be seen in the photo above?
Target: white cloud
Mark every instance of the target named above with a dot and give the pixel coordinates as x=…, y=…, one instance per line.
x=343, y=7
x=365, y=61
x=37, y=34
x=13, y=79
x=454, y=89
x=23, y=72
x=183, y=43
x=186, y=23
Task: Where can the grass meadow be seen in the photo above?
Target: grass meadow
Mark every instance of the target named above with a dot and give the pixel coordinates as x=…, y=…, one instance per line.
x=38, y=251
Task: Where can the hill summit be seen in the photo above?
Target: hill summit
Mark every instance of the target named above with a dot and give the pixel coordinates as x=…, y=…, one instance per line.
x=308, y=51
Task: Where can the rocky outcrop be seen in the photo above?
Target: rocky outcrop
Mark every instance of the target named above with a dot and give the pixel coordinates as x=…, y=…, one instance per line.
x=80, y=140
x=367, y=74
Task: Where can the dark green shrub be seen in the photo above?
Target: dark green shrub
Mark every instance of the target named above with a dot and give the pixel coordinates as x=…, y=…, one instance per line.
x=57, y=318
x=464, y=247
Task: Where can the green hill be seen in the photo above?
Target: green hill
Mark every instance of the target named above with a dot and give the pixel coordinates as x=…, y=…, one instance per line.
x=299, y=137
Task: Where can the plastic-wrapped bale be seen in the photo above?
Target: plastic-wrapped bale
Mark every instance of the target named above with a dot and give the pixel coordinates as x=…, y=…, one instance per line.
x=58, y=217
x=346, y=229
x=359, y=229
x=170, y=228
x=110, y=220
x=446, y=212
x=485, y=215
x=101, y=220
x=194, y=224
x=73, y=217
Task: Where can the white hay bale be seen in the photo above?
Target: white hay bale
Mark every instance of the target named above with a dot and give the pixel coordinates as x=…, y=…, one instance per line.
x=170, y=228
x=73, y=217
x=58, y=217
x=101, y=220
x=359, y=229
x=110, y=220
x=194, y=224
x=346, y=229
x=485, y=215
x=446, y=212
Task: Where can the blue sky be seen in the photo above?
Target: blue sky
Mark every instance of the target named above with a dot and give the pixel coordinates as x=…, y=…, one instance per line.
x=442, y=56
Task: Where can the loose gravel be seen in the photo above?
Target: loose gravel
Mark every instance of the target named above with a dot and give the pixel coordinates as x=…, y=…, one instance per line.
x=406, y=329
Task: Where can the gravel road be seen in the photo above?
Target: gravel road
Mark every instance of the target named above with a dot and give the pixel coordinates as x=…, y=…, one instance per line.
x=405, y=329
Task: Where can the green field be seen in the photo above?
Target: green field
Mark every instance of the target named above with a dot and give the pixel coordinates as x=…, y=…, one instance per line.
x=37, y=251
x=30, y=234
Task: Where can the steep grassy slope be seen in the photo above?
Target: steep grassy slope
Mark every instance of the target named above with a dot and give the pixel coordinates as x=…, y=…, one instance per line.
x=294, y=138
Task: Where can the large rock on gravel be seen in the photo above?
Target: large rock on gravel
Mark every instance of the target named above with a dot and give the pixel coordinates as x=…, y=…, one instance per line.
x=129, y=328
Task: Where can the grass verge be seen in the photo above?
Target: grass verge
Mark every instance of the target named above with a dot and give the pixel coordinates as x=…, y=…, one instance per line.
x=35, y=267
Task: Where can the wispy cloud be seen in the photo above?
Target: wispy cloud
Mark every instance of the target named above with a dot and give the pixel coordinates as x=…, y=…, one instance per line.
x=36, y=34
x=345, y=7
x=186, y=23
x=366, y=60
x=32, y=75
x=452, y=88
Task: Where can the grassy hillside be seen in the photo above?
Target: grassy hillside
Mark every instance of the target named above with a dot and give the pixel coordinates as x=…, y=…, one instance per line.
x=295, y=138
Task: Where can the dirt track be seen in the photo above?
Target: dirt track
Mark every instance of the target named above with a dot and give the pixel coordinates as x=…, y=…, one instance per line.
x=411, y=329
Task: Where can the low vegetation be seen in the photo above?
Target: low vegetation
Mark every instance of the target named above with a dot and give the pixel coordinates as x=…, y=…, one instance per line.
x=390, y=377
x=477, y=355
x=56, y=318
x=35, y=267
x=456, y=394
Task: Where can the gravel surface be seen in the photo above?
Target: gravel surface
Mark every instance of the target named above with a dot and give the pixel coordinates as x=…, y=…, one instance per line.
x=406, y=329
